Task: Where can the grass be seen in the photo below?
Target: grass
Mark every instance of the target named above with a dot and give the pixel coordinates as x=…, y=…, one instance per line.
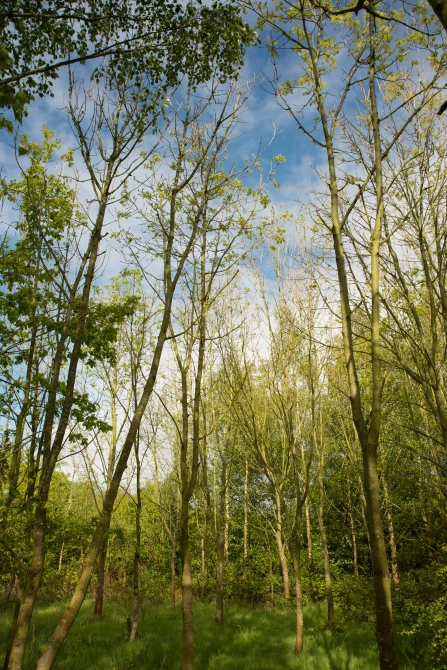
x=249, y=640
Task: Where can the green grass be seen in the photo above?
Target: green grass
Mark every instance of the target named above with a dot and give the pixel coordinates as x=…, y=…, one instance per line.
x=248, y=640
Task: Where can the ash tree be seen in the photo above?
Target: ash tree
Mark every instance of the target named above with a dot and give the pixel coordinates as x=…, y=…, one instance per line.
x=154, y=39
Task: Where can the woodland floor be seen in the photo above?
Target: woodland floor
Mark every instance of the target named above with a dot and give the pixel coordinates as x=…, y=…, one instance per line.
x=250, y=639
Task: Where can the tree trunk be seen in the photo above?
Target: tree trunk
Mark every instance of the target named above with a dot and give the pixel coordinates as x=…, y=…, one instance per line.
x=368, y=432
x=353, y=535
x=202, y=567
x=136, y=560
x=173, y=550
x=364, y=519
x=296, y=558
x=393, y=548
x=327, y=567
x=272, y=583
x=226, y=519
x=33, y=579
x=61, y=555
x=220, y=545
x=280, y=543
x=46, y=660
x=101, y=569
x=440, y=9
x=136, y=594
x=306, y=506
x=220, y=554
x=52, y=451
x=15, y=618
x=189, y=471
x=246, y=511
x=384, y=612
x=10, y=484
x=187, y=594
x=9, y=589
x=308, y=531
x=102, y=558
x=283, y=563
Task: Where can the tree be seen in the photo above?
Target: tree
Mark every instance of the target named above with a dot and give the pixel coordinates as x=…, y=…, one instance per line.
x=155, y=40
x=172, y=231
x=121, y=118
x=414, y=293
x=224, y=210
x=308, y=30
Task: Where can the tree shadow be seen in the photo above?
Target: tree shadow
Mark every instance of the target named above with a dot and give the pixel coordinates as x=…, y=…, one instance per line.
x=253, y=639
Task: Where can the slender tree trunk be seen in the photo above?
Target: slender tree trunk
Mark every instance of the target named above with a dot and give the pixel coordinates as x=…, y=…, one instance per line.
x=220, y=545
x=327, y=567
x=368, y=433
x=12, y=476
x=61, y=555
x=272, y=584
x=246, y=511
x=187, y=594
x=226, y=519
x=9, y=589
x=81, y=559
x=353, y=535
x=384, y=610
x=307, y=514
x=283, y=563
x=189, y=471
x=136, y=560
x=393, y=548
x=364, y=519
x=50, y=455
x=172, y=599
x=46, y=661
x=220, y=554
x=174, y=538
x=102, y=557
x=202, y=567
x=296, y=558
x=308, y=530
x=279, y=541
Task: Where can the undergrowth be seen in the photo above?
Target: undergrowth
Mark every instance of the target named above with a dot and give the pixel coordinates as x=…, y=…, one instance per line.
x=253, y=639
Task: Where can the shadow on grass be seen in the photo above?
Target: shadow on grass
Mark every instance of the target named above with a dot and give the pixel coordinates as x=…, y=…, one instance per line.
x=249, y=639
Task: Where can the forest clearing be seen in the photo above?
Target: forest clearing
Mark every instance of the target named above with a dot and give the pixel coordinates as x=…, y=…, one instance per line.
x=223, y=334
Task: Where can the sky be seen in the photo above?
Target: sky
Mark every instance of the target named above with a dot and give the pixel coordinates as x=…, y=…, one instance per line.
x=263, y=123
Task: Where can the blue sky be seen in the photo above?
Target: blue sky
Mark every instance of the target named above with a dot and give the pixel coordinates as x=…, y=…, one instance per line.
x=262, y=119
